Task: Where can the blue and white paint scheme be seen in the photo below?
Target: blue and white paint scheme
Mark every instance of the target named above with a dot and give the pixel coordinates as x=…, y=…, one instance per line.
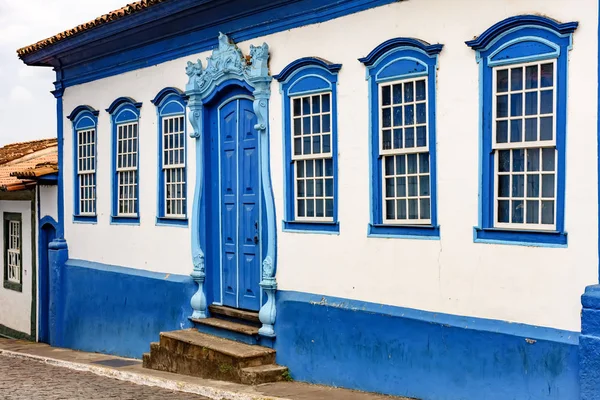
x=227, y=64
x=430, y=308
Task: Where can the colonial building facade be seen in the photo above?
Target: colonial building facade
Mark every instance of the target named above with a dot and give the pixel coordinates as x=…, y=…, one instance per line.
x=403, y=194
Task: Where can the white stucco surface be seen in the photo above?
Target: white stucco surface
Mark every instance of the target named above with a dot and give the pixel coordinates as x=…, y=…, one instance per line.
x=48, y=201
x=539, y=286
x=15, y=307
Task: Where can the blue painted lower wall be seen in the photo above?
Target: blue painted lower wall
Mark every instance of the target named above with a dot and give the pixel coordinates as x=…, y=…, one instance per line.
x=420, y=354
x=118, y=310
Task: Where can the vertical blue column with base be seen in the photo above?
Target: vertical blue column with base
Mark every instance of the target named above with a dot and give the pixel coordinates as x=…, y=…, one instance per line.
x=589, y=345
x=58, y=254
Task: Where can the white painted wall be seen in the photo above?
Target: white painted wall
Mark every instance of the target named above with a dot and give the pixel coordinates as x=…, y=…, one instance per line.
x=540, y=286
x=48, y=201
x=15, y=307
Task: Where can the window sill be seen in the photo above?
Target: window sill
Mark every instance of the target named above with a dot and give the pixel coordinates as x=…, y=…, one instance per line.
x=425, y=232
x=114, y=220
x=312, y=227
x=164, y=221
x=17, y=287
x=85, y=219
x=520, y=237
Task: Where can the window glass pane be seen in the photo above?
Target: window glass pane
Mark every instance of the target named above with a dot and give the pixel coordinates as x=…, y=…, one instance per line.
x=397, y=93
x=421, y=136
x=548, y=212
x=501, y=131
x=326, y=143
x=400, y=165
x=503, y=210
x=390, y=209
x=516, y=78
x=516, y=104
x=386, y=117
x=530, y=129
x=546, y=102
x=386, y=95
x=421, y=113
x=306, y=105
x=424, y=185
x=518, y=186
x=420, y=90
x=316, y=104
x=503, y=185
x=398, y=139
x=548, y=185
x=329, y=207
x=398, y=116
x=409, y=114
x=408, y=92
x=547, y=75
x=502, y=106
x=412, y=163
x=412, y=186
x=533, y=159
x=409, y=137
x=533, y=211
x=548, y=159
x=531, y=103
x=401, y=187
x=502, y=80
x=516, y=130
x=518, y=160
x=423, y=162
x=533, y=185
x=425, y=208
x=517, y=211
x=531, y=77
x=546, y=128
x=413, y=209
x=504, y=160
x=326, y=103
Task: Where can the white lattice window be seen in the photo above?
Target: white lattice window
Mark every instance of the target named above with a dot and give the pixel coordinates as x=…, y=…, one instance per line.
x=86, y=171
x=173, y=137
x=127, y=170
x=312, y=157
x=405, y=152
x=524, y=145
x=12, y=232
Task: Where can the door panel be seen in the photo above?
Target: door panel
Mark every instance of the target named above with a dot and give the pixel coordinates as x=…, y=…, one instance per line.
x=240, y=205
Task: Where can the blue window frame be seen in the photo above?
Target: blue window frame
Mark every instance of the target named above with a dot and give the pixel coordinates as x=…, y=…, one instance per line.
x=523, y=87
x=402, y=76
x=172, y=173
x=85, y=127
x=125, y=115
x=308, y=87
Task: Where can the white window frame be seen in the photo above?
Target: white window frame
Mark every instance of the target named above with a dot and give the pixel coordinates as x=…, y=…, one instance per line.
x=383, y=153
x=171, y=168
x=127, y=170
x=525, y=145
x=312, y=157
x=87, y=206
x=13, y=252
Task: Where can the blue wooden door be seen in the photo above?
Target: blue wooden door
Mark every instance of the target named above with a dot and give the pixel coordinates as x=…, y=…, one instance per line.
x=239, y=205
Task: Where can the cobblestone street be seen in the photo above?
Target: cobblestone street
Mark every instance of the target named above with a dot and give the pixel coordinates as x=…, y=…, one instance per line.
x=32, y=380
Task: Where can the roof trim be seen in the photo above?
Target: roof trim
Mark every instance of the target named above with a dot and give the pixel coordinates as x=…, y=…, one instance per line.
x=80, y=109
x=123, y=100
x=303, y=62
x=168, y=91
x=79, y=29
x=484, y=40
x=430, y=49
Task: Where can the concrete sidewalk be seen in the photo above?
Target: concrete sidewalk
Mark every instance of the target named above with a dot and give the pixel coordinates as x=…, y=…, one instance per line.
x=131, y=371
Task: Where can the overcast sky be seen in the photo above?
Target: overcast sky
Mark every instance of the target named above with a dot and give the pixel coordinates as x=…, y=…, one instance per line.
x=27, y=108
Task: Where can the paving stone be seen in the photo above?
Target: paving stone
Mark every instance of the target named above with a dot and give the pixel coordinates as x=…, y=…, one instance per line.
x=22, y=379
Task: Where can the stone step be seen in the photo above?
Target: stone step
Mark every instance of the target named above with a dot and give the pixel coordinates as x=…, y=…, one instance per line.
x=201, y=346
x=263, y=374
x=194, y=353
x=234, y=314
x=228, y=329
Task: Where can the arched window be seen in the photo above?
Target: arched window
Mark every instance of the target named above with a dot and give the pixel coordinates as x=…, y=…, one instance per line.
x=172, y=178
x=85, y=123
x=523, y=80
x=402, y=79
x=125, y=115
x=308, y=87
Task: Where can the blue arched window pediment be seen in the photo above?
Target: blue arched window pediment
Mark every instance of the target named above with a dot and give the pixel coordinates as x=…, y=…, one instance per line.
x=523, y=78
x=172, y=157
x=125, y=115
x=85, y=122
x=308, y=87
x=402, y=86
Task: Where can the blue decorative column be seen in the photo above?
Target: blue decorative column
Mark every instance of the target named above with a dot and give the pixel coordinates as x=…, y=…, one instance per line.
x=589, y=345
x=58, y=254
x=198, y=301
x=227, y=62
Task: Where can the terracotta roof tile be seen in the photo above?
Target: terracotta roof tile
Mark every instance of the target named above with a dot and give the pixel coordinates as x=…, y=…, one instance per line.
x=21, y=172
x=15, y=151
x=103, y=19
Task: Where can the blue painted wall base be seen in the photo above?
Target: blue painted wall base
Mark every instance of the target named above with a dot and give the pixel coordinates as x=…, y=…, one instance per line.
x=420, y=354
x=589, y=344
x=116, y=310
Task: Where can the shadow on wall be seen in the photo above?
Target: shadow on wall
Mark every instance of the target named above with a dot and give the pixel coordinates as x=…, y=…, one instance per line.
x=419, y=354
x=120, y=311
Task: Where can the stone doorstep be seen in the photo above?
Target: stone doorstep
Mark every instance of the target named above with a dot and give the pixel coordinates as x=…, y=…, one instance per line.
x=249, y=316
x=243, y=329
x=213, y=389
x=190, y=352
